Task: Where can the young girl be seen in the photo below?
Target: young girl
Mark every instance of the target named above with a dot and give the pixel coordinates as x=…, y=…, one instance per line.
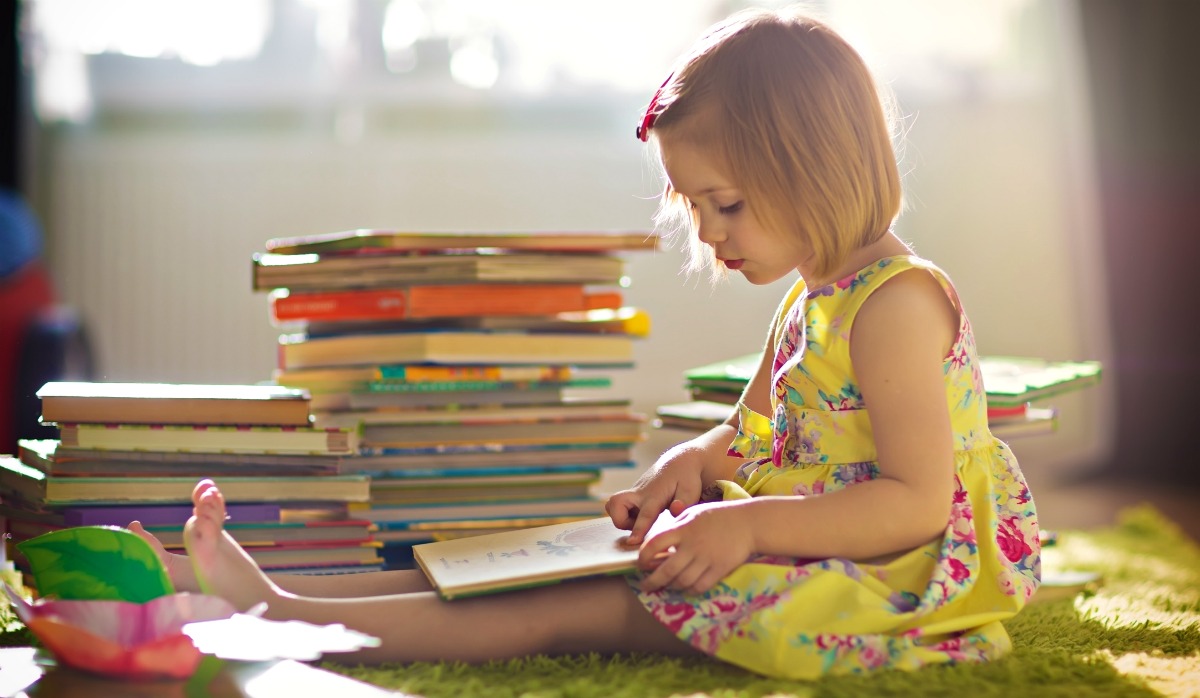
x=854, y=513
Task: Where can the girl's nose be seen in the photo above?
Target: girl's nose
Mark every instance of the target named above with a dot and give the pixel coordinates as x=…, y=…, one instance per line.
x=709, y=234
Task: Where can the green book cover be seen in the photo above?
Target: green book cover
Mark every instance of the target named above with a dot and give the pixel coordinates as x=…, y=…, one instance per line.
x=1007, y=380
x=1012, y=380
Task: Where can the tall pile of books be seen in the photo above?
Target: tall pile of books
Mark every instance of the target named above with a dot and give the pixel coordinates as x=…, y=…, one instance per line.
x=134, y=451
x=1016, y=388
x=464, y=361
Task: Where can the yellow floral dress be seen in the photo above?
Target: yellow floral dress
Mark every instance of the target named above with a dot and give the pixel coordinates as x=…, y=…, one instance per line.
x=940, y=603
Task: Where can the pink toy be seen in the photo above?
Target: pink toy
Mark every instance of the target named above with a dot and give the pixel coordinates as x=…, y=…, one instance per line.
x=122, y=639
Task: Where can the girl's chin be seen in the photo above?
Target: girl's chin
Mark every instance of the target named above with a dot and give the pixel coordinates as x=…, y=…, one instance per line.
x=759, y=277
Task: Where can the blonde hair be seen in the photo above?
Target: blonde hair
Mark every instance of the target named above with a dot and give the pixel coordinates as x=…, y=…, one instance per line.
x=793, y=112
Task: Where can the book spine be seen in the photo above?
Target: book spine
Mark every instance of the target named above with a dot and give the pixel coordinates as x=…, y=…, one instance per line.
x=414, y=374
x=165, y=515
x=416, y=302
x=209, y=439
x=386, y=386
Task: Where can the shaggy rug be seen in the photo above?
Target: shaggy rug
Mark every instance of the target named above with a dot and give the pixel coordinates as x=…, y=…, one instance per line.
x=1137, y=634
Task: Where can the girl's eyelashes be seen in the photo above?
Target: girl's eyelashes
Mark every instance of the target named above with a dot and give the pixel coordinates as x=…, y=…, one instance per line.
x=723, y=210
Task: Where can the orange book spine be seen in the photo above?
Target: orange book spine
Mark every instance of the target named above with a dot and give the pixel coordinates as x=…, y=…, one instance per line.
x=418, y=302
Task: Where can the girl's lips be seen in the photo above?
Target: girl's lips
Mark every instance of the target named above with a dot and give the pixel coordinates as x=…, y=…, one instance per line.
x=733, y=264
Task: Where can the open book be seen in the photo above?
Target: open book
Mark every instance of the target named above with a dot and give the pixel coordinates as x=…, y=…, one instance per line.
x=528, y=557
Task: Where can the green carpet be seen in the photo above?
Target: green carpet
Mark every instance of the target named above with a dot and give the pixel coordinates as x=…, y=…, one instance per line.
x=1138, y=635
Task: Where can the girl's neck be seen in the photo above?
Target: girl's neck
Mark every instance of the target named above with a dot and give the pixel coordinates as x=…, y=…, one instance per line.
x=887, y=246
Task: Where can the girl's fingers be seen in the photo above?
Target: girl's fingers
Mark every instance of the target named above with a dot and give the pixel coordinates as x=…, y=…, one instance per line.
x=647, y=515
x=666, y=572
x=689, y=576
x=621, y=510
x=655, y=549
x=705, y=582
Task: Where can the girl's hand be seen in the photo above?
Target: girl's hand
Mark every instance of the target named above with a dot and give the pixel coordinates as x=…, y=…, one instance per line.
x=675, y=483
x=704, y=544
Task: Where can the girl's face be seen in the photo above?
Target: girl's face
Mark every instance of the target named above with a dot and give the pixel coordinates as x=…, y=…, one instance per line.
x=724, y=220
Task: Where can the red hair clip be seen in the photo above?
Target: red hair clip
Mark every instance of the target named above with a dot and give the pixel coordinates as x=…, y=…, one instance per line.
x=643, y=129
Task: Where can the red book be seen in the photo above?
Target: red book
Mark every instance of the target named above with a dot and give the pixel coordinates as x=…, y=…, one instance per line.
x=419, y=302
x=1007, y=412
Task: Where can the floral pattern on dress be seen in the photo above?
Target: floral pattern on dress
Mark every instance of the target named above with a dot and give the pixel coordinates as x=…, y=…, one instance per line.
x=802, y=619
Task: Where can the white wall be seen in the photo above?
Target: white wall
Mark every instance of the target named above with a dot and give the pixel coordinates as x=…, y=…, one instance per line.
x=151, y=231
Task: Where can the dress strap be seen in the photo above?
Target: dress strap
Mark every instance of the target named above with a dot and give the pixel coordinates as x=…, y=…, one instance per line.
x=890, y=267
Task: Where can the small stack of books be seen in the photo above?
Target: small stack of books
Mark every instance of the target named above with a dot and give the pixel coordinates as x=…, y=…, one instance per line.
x=1012, y=384
x=464, y=362
x=134, y=451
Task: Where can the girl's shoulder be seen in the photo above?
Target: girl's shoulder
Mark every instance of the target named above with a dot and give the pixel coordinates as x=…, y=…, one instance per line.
x=851, y=291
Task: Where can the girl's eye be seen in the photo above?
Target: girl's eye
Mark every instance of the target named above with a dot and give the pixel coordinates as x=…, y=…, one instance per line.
x=732, y=208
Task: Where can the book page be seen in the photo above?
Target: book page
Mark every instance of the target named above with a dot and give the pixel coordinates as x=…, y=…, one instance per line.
x=517, y=558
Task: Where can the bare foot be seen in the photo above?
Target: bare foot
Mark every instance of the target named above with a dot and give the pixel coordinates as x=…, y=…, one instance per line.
x=222, y=568
x=179, y=568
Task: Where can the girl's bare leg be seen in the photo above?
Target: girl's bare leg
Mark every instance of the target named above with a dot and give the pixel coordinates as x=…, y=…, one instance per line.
x=600, y=615
x=183, y=577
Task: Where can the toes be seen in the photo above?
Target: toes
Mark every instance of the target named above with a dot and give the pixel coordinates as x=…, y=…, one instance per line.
x=201, y=487
x=136, y=528
x=209, y=504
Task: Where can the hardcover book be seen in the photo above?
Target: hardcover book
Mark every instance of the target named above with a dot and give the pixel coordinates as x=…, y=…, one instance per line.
x=123, y=514
x=307, y=272
x=173, y=403
x=1010, y=380
x=278, y=534
x=47, y=456
x=496, y=562
x=36, y=488
x=360, y=377
x=634, y=322
x=208, y=439
x=1036, y=421
x=436, y=301
x=410, y=516
x=476, y=414
x=623, y=427
x=470, y=487
x=436, y=461
x=367, y=238
x=701, y=415
x=297, y=351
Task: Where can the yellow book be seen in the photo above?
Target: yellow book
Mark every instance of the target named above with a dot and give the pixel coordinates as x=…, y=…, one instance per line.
x=298, y=351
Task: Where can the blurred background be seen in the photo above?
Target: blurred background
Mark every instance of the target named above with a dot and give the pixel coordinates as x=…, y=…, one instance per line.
x=1051, y=168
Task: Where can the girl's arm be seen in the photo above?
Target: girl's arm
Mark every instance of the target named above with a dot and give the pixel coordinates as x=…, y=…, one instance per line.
x=678, y=477
x=714, y=444
x=900, y=338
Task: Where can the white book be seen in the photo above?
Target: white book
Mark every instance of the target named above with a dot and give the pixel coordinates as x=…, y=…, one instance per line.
x=496, y=562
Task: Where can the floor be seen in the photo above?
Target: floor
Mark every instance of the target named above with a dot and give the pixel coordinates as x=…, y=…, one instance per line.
x=1095, y=501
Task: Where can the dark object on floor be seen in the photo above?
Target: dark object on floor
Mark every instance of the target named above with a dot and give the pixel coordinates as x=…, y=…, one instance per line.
x=40, y=339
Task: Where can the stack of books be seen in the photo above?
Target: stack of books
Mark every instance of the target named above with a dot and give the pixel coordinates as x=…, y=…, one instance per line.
x=1015, y=387
x=464, y=361
x=134, y=451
